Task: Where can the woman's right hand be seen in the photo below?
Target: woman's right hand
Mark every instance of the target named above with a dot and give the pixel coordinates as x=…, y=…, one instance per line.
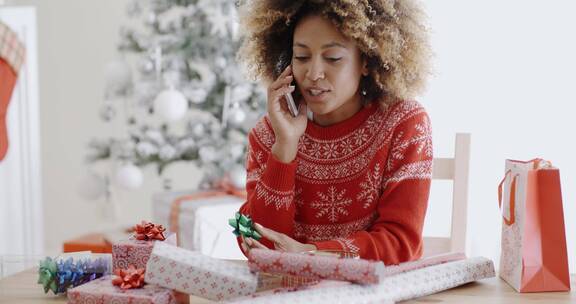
x=287, y=128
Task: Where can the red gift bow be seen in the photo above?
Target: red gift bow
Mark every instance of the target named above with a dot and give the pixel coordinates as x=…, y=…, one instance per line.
x=129, y=278
x=147, y=231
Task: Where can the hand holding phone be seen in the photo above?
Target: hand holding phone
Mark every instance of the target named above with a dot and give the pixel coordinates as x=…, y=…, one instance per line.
x=291, y=104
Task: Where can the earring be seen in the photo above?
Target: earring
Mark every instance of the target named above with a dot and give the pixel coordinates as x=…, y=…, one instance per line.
x=363, y=83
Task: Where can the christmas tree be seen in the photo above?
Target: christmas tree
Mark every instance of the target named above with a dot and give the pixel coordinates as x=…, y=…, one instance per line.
x=183, y=95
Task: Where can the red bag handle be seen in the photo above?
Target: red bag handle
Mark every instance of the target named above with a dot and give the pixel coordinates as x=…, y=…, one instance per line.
x=512, y=198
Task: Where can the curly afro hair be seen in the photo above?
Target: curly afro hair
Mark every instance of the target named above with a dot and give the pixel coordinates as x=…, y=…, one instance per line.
x=391, y=34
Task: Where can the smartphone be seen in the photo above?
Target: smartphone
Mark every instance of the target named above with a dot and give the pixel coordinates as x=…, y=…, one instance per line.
x=290, y=102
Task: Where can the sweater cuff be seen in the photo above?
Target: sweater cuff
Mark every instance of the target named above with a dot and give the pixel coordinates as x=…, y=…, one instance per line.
x=278, y=175
x=328, y=245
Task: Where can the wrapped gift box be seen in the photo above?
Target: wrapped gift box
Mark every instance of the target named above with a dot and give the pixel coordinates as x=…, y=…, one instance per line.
x=316, y=266
x=102, y=291
x=201, y=220
x=135, y=252
x=399, y=287
x=194, y=273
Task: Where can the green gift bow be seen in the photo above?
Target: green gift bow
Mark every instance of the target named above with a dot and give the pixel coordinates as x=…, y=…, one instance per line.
x=47, y=275
x=243, y=225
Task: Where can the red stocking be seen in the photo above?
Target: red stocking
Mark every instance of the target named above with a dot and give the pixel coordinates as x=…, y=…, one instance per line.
x=11, y=56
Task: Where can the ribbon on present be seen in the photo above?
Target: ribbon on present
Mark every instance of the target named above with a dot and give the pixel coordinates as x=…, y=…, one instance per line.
x=243, y=225
x=129, y=278
x=147, y=231
x=59, y=275
x=47, y=275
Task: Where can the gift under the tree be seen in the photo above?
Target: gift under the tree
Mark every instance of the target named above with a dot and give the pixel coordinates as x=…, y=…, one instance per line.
x=402, y=286
x=194, y=273
x=102, y=291
x=136, y=251
x=199, y=218
x=72, y=269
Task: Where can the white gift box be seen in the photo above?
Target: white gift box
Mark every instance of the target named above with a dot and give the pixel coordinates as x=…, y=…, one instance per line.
x=202, y=223
x=194, y=273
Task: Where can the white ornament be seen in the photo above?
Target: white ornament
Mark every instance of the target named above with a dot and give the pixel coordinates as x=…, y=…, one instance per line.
x=238, y=177
x=238, y=116
x=171, y=105
x=129, y=177
x=91, y=186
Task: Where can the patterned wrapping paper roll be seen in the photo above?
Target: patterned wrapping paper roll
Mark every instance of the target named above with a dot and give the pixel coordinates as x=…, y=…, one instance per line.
x=194, y=273
x=403, y=286
x=317, y=267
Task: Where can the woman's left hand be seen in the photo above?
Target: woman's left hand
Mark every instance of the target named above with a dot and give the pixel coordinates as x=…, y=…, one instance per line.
x=281, y=241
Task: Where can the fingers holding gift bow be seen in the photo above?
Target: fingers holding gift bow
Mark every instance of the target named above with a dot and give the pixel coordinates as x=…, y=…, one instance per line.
x=281, y=241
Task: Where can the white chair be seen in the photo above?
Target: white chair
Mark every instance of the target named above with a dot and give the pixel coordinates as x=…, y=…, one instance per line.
x=457, y=170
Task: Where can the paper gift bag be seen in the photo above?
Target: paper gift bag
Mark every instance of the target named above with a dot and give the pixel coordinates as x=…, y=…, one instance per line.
x=533, y=255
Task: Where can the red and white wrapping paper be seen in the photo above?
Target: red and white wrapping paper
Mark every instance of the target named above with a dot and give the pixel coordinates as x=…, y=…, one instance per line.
x=399, y=287
x=315, y=266
x=101, y=291
x=424, y=262
x=135, y=252
x=194, y=273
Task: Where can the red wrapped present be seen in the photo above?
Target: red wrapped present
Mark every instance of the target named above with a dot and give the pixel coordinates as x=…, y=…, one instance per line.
x=103, y=291
x=136, y=251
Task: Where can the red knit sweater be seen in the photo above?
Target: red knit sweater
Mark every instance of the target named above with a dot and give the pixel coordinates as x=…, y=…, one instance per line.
x=360, y=185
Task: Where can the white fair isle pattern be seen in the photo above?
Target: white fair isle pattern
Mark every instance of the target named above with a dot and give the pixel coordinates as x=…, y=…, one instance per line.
x=348, y=245
x=255, y=158
x=322, y=232
x=332, y=204
x=280, y=199
x=365, y=141
x=421, y=140
x=400, y=287
x=421, y=170
x=193, y=273
x=370, y=187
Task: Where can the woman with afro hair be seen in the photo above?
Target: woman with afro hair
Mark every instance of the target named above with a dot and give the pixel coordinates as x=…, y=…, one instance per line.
x=351, y=172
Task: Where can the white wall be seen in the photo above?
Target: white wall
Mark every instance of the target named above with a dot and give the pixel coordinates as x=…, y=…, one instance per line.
x=504, y=72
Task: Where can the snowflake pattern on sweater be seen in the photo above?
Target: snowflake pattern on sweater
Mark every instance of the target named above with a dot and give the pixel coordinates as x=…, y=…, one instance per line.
x=360, y=185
